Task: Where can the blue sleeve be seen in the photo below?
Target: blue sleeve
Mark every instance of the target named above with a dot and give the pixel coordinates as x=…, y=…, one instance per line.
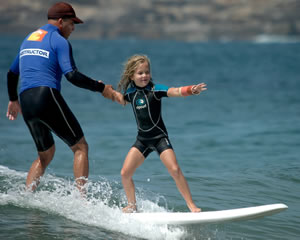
x=161, y=90
x=64, y=54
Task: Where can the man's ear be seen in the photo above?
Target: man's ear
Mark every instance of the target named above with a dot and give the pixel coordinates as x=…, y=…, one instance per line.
x=60, y=21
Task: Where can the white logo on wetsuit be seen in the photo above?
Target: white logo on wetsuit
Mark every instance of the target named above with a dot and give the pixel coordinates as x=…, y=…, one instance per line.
x=34, y=52
x=140, y=103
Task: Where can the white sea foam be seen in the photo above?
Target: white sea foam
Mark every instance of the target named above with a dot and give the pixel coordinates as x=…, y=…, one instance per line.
x=100, y=208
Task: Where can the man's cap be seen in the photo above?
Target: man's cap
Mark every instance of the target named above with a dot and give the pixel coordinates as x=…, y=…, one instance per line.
x=63, y=10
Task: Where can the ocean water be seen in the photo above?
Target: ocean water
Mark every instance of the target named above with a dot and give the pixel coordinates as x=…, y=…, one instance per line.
x=238, y=144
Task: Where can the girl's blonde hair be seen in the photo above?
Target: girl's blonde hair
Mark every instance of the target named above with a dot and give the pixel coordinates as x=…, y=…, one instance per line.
x=129, y=68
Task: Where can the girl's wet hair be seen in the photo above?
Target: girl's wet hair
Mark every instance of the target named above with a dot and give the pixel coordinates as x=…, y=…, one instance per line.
x=129, y=68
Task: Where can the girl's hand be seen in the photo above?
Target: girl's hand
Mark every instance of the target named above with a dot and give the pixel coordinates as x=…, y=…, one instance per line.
x=186, y=90
x=119, y=98
x=197, y=89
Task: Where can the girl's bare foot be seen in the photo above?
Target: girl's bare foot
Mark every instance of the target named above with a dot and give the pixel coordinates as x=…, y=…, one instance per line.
x=131, y=208
x=194, y=208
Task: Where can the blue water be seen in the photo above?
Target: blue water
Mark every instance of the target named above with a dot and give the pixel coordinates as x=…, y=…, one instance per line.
x=238, y=144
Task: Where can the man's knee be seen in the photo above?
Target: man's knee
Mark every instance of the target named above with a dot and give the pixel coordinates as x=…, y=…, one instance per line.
x=82, y=145
x=46, y=156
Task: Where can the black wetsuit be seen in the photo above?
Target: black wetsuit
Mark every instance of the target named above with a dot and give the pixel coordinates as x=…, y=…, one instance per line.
x=146, y=104
x=44, y=56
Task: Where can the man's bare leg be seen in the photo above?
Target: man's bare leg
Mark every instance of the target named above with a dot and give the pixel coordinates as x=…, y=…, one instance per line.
x=81, y=163
x=38, y=168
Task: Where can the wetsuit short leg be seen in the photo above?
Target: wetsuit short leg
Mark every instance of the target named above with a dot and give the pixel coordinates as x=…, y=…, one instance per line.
x=44, y=110
x=147, y=146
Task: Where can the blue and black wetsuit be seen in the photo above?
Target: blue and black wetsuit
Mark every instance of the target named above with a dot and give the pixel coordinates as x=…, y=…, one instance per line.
x=44, y=56
x=146, y=105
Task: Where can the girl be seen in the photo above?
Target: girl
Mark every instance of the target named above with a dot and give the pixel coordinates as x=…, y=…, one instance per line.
x=145, y=98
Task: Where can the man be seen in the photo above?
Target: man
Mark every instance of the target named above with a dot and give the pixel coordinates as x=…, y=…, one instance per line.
x=44, y=56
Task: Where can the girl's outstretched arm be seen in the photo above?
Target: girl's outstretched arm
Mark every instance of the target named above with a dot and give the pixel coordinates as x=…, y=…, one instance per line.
x=186, y=90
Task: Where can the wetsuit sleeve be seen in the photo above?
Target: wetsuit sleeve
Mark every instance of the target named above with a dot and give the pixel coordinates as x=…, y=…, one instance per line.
x=82, y=81
x=12, y=85
x=129, y=92
x=161, y=90
x=126, y=97
x=13, y=79
x=68, y=66
x=64, y=53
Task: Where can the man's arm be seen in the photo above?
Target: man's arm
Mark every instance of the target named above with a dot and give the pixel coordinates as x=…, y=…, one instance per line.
x=80, y=80
x=13, y=105
x=12, y=85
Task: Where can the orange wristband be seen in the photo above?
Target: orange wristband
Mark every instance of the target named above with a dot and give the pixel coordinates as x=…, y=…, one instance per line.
x=186, y=90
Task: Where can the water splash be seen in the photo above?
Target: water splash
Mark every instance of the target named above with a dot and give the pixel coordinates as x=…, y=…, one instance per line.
x=100, y=208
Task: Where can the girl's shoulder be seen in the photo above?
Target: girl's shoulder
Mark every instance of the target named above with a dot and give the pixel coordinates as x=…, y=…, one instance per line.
x=160, y=88
x=130, y=90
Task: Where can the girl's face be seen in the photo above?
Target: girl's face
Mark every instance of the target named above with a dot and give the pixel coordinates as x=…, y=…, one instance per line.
x=142, y=76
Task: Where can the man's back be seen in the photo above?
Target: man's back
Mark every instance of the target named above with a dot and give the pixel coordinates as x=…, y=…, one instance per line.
x=44, y=56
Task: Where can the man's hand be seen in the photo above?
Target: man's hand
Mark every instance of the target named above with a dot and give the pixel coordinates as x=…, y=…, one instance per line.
x=110, y=93
x=119, y=98
x=13, y=109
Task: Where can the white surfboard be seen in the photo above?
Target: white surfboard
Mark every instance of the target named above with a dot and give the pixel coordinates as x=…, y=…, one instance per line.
x=186, y=218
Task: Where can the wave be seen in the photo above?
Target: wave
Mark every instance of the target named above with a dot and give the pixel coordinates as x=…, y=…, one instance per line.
x=276, y=39
x=100, y=208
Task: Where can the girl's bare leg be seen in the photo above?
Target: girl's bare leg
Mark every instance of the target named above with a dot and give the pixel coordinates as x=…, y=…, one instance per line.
x=169, y=159
x=132, y=161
